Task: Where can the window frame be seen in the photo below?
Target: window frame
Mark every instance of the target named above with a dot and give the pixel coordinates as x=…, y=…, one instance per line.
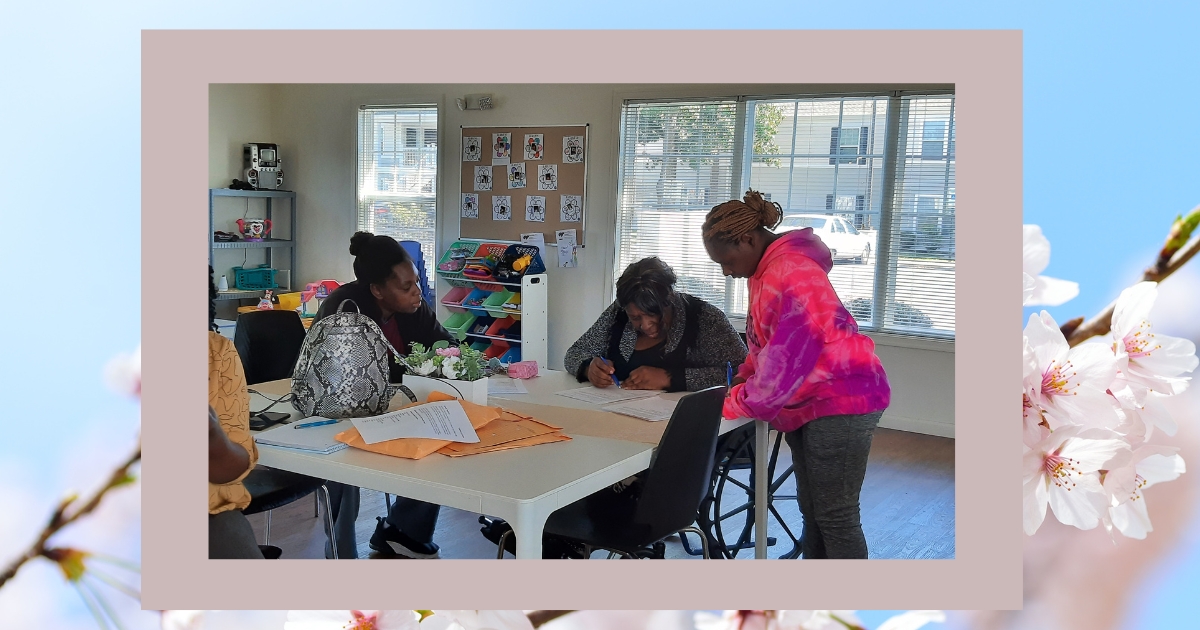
x=884, y=283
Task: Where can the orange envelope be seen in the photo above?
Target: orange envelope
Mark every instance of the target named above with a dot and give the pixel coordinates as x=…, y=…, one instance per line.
x=416, y=448
x=529, y=441
x=507, y=430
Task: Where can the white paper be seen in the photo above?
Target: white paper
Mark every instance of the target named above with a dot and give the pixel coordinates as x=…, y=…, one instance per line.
x=533, y=146
x=314, y=439
x=547, y=177
x=472, y=149
x=535, y=209
x=654, y=409
x=606, y=395
x=470, y=206
x=570, y=208
x=444, y=420
x=566, y=248
x=483, y=178
x=502, y=208
x=572, y=149
x=501, y=147
x=538, y=240
x=506, y=385
x=516, y=175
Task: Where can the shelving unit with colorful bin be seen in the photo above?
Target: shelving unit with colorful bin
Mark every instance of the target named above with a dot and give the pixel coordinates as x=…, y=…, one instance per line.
x=503, y=311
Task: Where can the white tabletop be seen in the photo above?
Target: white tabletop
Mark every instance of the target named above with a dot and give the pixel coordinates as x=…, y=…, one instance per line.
x=523, y=486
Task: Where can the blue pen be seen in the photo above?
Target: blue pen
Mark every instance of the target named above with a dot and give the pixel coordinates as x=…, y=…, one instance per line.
x=314, y=424
x=613, y=375
x=728, y=375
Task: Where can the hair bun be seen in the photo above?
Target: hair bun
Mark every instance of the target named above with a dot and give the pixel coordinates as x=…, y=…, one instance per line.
x=359, y=242
x=770, y=213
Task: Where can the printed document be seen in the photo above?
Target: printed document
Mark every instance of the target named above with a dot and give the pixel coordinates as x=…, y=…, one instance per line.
x=443, y=420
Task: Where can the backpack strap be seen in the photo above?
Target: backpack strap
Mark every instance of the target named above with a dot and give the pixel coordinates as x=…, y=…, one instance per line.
x=346, y=301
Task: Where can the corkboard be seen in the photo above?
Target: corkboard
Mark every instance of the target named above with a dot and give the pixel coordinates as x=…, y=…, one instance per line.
x=572, y=180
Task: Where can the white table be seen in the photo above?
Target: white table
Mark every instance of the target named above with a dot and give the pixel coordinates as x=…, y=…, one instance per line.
x=523, y=486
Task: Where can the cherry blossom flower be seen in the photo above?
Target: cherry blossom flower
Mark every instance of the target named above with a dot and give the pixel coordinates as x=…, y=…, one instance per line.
x=1148, y=465
x=1068, y=385
x=1149, y=362
x=123, y=373
x=1063, y=471
x=352, y=620
x=182, y=619
x=476, y=620
x=1039, y=289
x=912, y=620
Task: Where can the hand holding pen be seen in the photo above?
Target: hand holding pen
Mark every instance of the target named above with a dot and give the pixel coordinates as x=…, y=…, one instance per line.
x=601, y=373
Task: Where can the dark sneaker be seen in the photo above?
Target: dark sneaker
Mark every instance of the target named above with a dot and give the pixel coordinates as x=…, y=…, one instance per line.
x=388, y=539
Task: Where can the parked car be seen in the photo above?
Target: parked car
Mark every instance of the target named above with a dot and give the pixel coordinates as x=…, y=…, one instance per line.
x=838, y=234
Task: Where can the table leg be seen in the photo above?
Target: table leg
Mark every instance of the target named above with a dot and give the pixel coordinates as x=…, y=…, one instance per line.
x=761, y=482
x=528, y=521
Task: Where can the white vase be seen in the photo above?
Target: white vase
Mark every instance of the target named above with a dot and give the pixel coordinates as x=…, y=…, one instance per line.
x=472, y=391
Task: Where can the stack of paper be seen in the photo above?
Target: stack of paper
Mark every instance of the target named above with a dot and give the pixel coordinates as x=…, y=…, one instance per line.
x=313, y=439
x=442, y=420
x=655, y=408
x=504, y=385
x=605, y=395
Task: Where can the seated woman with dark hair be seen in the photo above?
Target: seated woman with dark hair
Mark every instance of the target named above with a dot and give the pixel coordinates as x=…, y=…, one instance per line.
x=388, y=290
x=653, y=337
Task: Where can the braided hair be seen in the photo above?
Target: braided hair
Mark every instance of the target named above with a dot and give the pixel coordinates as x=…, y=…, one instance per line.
x=730, y=220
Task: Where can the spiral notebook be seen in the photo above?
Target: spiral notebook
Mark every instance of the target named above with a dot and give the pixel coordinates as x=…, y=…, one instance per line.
x=313, y=439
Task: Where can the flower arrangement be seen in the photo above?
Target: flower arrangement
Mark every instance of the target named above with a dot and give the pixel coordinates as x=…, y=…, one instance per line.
x=444, y=361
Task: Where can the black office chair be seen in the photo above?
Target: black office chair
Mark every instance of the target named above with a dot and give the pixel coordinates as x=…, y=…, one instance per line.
x=665, y=500
x=268, y=343
x=271, y=488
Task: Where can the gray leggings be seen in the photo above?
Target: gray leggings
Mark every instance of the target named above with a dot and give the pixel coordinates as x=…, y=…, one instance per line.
x=830, y=459
x=230, y=536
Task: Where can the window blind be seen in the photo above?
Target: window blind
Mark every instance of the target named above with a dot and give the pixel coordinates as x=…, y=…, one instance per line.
x=823, y=159
x=676, y=163
x=397, y=174
x=918, y=296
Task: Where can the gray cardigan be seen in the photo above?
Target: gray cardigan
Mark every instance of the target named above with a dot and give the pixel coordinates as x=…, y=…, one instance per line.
x=716, y=344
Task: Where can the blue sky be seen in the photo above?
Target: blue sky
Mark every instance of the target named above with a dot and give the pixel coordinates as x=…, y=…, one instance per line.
x=1109, y=157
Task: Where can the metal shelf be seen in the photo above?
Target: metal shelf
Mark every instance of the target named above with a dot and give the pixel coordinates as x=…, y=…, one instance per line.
x=252, y=244
x=238, y=294
x=229, y=192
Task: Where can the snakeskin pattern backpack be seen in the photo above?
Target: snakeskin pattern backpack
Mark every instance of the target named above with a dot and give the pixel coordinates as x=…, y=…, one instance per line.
x=342, y=371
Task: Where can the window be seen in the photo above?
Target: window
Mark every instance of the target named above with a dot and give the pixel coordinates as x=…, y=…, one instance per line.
x=679, y=159
x=397, y=176
x=934, y=132
x=850, y=141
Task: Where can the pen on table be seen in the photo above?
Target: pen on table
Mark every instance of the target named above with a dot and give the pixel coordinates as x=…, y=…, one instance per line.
x=314, y=424
x=613, y=375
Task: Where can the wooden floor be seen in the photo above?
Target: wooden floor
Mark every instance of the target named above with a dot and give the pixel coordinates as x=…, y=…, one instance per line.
x=907, y=510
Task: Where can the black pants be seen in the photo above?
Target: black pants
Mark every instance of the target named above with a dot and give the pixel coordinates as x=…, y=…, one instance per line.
x=830, y=459
x=416, y=519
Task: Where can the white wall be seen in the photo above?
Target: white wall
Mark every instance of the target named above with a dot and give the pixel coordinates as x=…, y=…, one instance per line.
x=315, y=127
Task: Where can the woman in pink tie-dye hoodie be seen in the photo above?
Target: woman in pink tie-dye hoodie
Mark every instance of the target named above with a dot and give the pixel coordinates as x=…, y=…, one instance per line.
x=809, y=372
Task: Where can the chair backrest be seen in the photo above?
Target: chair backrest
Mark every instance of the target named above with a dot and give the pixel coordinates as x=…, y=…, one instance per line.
x=268, y=343
x=679, y=472
x=414, y=249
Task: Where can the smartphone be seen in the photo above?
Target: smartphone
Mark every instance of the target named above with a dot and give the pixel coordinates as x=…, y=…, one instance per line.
x=267, y=419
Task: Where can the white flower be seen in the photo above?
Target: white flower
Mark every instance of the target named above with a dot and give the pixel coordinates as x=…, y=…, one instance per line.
x=123, y=373
x=778, y=620
x=912, y=620
x=450, y=367
x=425, y=369
x=1146, y=360
x=476, y=619
x=352, y=620
x=1068, y=386
x=1039, y=289
x=182, y=619
x=1063, y=470
x=1147, y=466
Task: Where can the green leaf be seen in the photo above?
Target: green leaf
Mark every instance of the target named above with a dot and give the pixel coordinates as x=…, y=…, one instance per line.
x=438, y=345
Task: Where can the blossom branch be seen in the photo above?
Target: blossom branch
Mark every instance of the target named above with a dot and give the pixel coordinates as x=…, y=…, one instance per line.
x=540, y=617
x=64, y=515
x=1101, y=324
